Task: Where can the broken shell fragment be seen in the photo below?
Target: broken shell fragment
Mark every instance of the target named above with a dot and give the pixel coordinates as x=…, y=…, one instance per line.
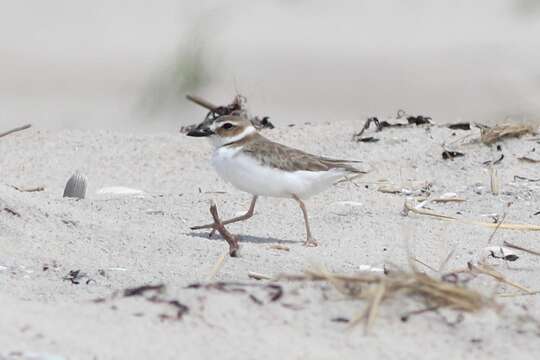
x=76, y=186
x=369, y=268
x=119, y=190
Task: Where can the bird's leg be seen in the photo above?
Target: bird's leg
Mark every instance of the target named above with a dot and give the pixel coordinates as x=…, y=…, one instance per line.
x=246, y=216
x=310, y=241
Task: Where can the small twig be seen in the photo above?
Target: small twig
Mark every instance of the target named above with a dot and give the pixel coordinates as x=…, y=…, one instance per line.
x=518, y=294
x=374, y=306
x=446, y=260
x=366, y=126
x=423, y=263
x=494, y=181
x=280, y=247
x=408, y=207
x=497, y=276
x=31, y=189
x=378, y=125
x=12, y=212
x=512, y=246
x=218, y=225
x=529, y=159
x=446, y=200
x=517, y=177
x=20, y=128
x=259, y=276
x=218, y=265
x=499, y=223
x=407, y=315
x=202, y=102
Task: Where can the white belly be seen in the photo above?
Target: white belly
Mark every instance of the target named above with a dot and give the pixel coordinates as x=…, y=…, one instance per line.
x=246, y=174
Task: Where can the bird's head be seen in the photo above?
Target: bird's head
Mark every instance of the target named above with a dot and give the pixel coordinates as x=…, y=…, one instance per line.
x=224, y=129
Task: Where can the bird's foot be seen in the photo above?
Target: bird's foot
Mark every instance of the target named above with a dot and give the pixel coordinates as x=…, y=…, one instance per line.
x=310, y=242
x=206, y=226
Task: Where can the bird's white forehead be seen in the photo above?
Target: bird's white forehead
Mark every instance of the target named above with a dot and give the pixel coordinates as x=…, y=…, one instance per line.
x=224, y=120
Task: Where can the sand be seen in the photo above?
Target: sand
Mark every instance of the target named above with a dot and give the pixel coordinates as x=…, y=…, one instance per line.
x=123, y=241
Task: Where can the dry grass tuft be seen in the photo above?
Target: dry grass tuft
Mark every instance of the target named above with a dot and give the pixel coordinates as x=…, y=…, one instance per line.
x=491, y=135
x=432, y=292
x=408, y=207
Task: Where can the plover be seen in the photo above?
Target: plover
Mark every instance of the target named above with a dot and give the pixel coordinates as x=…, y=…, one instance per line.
x=261, y=167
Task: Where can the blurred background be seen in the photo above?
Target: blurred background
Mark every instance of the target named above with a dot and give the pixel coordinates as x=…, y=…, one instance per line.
x=127, y=65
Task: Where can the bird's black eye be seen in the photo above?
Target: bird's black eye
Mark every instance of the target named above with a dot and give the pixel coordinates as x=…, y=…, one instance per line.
x=227, y=126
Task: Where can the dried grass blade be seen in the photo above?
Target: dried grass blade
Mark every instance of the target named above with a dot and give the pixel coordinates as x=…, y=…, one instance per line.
x=374, y=306
x=217, y=266
x=498, y=276
x=510, y=245
x=258, y=276
x=528, y=227
x=446, y=260
x=537, y=292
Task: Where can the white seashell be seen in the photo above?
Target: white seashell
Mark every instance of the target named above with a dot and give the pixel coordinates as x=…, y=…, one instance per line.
x=26, y=355
x=448, y=195
x=494, y=215
x=119, y=190
x=76, y=186
x=349, y=203
x=369, y=268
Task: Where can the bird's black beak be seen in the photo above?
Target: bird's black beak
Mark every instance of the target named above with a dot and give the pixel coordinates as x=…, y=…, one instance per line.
x=200, y=132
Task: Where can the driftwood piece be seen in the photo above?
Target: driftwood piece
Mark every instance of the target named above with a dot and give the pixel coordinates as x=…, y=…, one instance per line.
x=239, y=103
x=231, y=239
x=202, y=102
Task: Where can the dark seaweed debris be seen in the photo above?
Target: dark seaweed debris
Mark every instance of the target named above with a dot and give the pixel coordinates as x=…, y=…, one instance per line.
x=495, y=162
x=238, y=104
x=155, y=297
x=273, y=292
x=263, y=123
x=368, y=139
x=447, y=154
x=380, y=125
x=180, y=308
x=76, y=276
x=11, y=211
x=460, y=126
x=419, y=120
x=141, y=290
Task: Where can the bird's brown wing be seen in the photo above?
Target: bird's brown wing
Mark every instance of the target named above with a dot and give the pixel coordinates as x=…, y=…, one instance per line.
x=279, y=156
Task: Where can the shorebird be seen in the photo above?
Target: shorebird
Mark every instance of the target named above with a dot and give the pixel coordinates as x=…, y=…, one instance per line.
x=261, y=167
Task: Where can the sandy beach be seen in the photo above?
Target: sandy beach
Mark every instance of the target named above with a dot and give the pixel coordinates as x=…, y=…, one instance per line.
x=118, y=242
x=120, y=275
